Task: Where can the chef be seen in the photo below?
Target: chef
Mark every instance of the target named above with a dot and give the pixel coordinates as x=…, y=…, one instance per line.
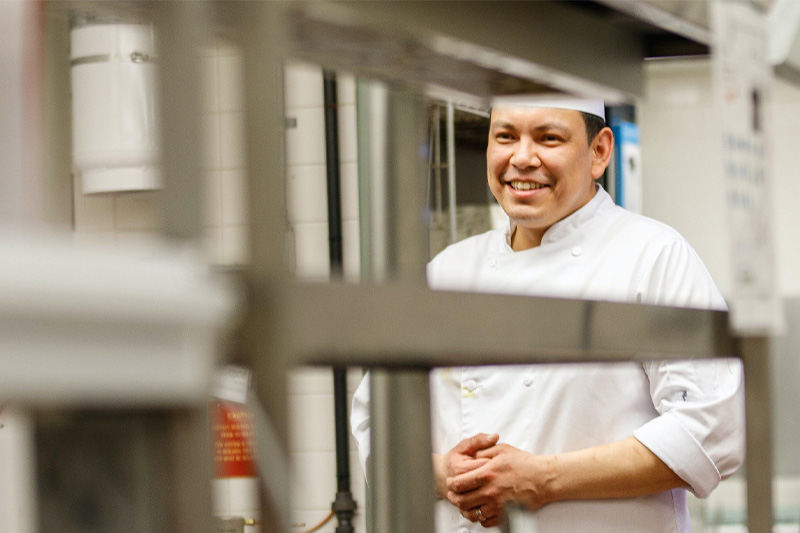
x=588, y=447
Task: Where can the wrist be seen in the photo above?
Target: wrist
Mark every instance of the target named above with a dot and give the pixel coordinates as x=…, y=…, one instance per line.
x=550, y=487
x=544, y=481
x=440, y=475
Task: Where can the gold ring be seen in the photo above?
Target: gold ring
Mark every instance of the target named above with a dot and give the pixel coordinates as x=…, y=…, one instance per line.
x=480, y=515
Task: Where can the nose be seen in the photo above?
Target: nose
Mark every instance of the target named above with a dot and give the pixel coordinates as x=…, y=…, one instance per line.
x=526, y=154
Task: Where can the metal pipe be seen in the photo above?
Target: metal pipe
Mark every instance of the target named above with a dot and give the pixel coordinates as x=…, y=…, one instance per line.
x=332, y=173
x=344, y=505
x=371, y=119
x=451, y=170
x=437, y=149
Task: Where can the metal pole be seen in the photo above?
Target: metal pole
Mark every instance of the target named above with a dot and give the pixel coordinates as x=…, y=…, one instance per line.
x=756, y=358
x=371, y=101
x=264, y=43
x=181, y=28
x=343, y=506
x=451, y=169
x=13, y=201
x=401, y=471
x=437, y=159
x=401, y=474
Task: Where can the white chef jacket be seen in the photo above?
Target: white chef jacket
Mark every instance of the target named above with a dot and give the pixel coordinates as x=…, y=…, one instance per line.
x=689, y=413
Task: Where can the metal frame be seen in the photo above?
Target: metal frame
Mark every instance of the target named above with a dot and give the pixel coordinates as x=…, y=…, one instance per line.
x=399, y=324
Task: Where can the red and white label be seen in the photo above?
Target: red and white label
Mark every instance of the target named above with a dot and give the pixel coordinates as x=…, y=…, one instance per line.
x=232, y=431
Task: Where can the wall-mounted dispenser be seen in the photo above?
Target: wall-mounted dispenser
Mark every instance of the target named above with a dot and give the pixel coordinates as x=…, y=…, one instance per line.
x=114, y=107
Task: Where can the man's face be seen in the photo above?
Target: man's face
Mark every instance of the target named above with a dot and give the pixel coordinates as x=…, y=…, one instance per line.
x=540, y=167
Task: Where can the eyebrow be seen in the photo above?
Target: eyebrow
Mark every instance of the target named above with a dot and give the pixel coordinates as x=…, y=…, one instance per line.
x=553, y=125
x=502, y=125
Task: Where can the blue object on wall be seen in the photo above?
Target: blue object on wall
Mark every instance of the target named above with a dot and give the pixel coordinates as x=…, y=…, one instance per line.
x=627, y=165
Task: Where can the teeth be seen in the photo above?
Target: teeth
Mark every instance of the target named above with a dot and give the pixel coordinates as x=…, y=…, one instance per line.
x=525, y=185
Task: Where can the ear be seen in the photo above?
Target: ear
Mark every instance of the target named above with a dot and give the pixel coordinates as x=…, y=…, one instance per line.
x=601, y=149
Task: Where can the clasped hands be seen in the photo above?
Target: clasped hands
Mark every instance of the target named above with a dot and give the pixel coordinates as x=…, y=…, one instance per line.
x=479, y=476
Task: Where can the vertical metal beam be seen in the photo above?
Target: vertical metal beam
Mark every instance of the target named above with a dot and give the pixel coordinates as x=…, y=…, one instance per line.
x=401, y=472
x=182, y=28
x=401, y=488
x=57, y=200
x=372, y=164
x=451, y=171
x=263, y=39
x=189, y=487
x=758, y=466
x=13, y=200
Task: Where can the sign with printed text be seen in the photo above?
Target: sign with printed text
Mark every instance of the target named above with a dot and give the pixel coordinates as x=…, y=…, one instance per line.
x=742, y=79
x=232, y=431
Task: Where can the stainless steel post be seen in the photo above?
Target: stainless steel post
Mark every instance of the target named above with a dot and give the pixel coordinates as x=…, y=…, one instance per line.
x=401, y=480
x=371, y=101
x=451, y=172
x=264, y=43
x=401, y=471
x=756, y=357
x=181, y=28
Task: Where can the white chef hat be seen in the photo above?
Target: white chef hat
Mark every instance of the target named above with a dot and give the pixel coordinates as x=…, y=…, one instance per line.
x=593, y=106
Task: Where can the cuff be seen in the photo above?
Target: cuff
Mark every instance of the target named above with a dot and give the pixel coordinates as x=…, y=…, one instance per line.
x=680, y=451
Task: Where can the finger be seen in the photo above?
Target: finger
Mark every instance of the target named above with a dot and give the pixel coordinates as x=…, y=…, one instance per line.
x=469, y=500
x=489, y=514
x=491, y=452
x=491, y=522
x=466, y=465
x=467, y=481
x=492, y=514
x=477, y=442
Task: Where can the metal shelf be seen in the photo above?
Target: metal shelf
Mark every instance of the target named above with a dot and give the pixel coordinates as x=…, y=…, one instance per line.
x=481, y=48
x=402, y=325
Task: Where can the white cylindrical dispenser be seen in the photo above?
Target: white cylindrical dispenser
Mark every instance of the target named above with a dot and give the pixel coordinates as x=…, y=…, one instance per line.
x=115, y=131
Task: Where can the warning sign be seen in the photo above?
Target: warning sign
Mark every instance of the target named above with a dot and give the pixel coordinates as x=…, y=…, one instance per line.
x=232, y=430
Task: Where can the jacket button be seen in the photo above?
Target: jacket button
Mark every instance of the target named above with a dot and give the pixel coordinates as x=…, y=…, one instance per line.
x=577, y=251
x=528, y=381
x=471, y=385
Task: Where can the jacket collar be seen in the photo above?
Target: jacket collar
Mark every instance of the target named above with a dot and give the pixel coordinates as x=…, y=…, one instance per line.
x=600, y=203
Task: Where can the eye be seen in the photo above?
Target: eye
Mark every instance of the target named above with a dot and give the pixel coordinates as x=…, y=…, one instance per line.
x=504, y=136
x=551, y=138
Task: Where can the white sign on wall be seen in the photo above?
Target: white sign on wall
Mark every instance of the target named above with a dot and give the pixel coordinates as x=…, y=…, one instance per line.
x=742, y=78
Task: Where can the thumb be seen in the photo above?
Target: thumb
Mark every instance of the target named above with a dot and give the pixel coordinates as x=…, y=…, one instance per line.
x=477, y=442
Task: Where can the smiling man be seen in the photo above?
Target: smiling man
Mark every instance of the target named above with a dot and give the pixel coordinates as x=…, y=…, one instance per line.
x=589, y=447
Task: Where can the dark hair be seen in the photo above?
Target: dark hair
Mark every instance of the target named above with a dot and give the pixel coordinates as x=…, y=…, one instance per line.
x=593, y=125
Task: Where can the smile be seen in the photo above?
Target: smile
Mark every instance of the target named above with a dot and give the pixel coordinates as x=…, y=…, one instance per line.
x=526, y=185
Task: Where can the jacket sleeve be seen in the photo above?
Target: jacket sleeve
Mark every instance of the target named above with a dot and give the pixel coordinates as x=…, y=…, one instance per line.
x=359, y=421
x=700, y=431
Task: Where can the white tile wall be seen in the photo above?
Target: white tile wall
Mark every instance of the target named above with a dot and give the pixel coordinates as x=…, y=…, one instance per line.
x=305, y=143
x=305, y=203
x=231, y=145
